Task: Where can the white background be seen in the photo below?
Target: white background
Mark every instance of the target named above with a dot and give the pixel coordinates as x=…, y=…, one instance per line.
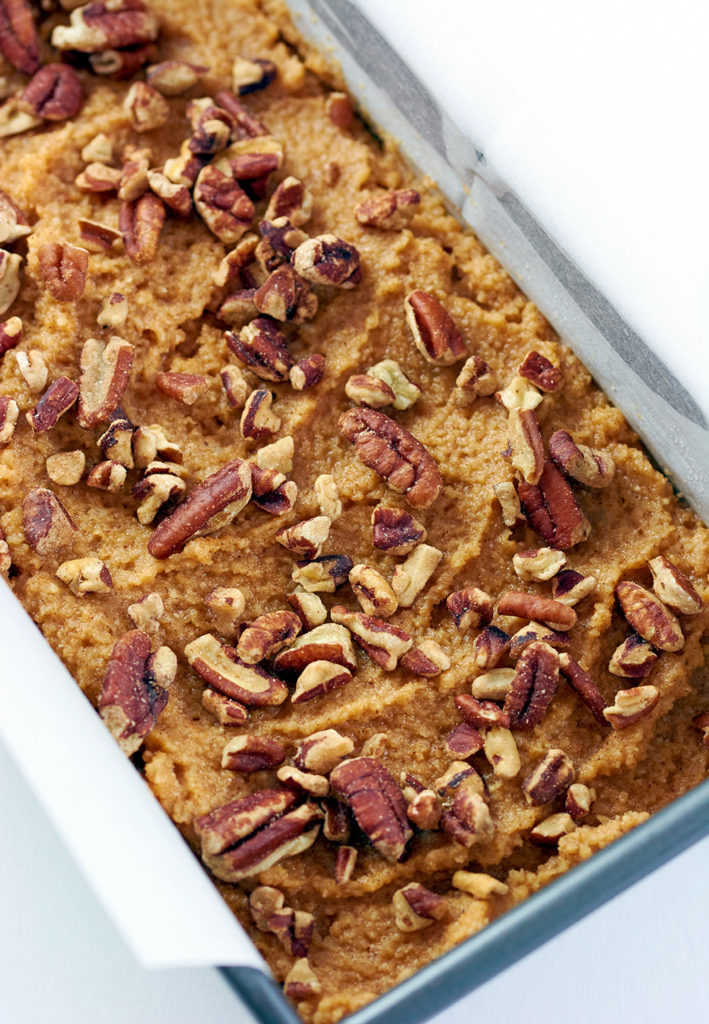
x=597, y=114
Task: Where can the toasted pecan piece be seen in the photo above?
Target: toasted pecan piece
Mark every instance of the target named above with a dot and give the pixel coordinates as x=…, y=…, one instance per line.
x=222, y=669
x=552, y=510
x=105, y=370
x=47, y=524
x=376, y=802
x=649, y=616
x=434, y=331
x=533, y=686
x=134, y=690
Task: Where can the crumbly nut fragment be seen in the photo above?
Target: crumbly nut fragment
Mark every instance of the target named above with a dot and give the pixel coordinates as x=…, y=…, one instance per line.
x=526, y=444
x=366, y=389
x=494, y=684
x=571, y=587
x=134, y=172
x=588, y=466
x=33, y=369
x=251, y=74
x=13, y=221
x=701, y=723
x=323, y=751
x=406, y=392
x=579, y=799
x=145, y=107
x=235, y=386
x=56, y=400
x=490, y=647
x=258, y=420
x=376, y=803
x=541, y=372
x=14, y=120
x=538, y=564
x=5, y=556
x=154, y=493
x=308, y=607
x=483, y=714
x=54, y=93
x=252, y=754
x=99, y=177
x=416, y=907
x=345, y=861
x=395, y=531
x=172, y=77
x=307, y=372
x=105, y=369
x=389, y=211
x=434, y=331
x=141, y=223
x=468, y=820
x=552, y=829
x=328, y=260
x=382, y=641
x=279, y=240
x=476, y=379
x=303, y=782
x=184, y=168
x=47, y=525
x=464, y=741
x=552, y=613
x=290, y=199
x=177, y=197
x=10, y=334
x=134, y=690
x=285, y=296
x=479, y=885
x=183, y=387
x=98, y=237
x=301, y=982
x=375, y=745
x=116, y=443
x=673, y=587
x=150, y=442
x=328, y=642
x=425, y=810
x=649, y=616
x=584, y=685
x=305, y=538
x=322, y=574
x=411, y=576
x=510, y=507
x=459, y=774
x=226, y=605
x=552, y=776
x=470, y=608
x=267, y=635
x=339, y=109
x=501, y=751
x=66, y=468
x=533, y=687
x=222, y=669
x=106, y=476
x=86, y=576
x=372, y=591
x=98, y=150
x=631, y=705
x=239, y=307
x=264, y=902
x=63, y=268
x=327, y=496
x=633, y=659
x=426, y=659
x=534, y=632
x=294, y=929
x=519, y=395
x=146, y=613
x=226, y=710
x=222, y=204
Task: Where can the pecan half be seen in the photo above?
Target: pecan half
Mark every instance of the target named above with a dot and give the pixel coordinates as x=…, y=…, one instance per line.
x=493, y=684
x=66, y=468
x=541, y=372
x=649, y=616
x=426, y=659
x=394, y=454
x=631, y=705
x=533, y=686
x=327, y=259
x=673, y=587
x=54, y=93
x=249, y=835
x=376, y=802
x=56, y=400
x=395, y=530
x=292, y=200
x=552, y=509
x=329, y=642
x=258, y=421
x=19, y=42
x=267, y=635
x=222, y=669
x=571, y=587
x=526, y=444
x=47, y=524
x=434, y=331
x=372, y=591
x=63, y=269
x=106, y=24
x=586, y=465
x=105, y=370
x=305, y=538
x=382, y=641
x=501, y=752
x=416, y=907
x=470, y=608
x=212, y=505
x=134, y=690
x=584, y=686
x=552, y=776
x=222, y=204
x=483, y=714
x=172, y=77
x=464, y=741
x=141, y=223
x=411, y=576
x=633, y=659
x=490, y=646
x=476, y=379
x=388, y=210
x=323, y=574
x=261, y=345
x=252, y=754
x=554, y=614
x=468, y=819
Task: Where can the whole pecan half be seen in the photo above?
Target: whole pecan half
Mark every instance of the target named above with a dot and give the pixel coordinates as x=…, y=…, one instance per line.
x=223, y=670
x=434, y=331
x=19, y=42
x=47, y=524
x=132, y=696
x=541, y=371
x=584, y=685
x=552, y=509
x=327, y=259
x=141, y=222
x=261, y=345
x=395, y=454
x=586, y=465
x=222, y=204
x=250, y=834
x=56, y=400
x=63, y=268
x=552, y=776
x=106, y=25
x=54, y=93
x=376, y=803
x=533, y=686
x=211, y=505
x=104, y=377
x=649, y=616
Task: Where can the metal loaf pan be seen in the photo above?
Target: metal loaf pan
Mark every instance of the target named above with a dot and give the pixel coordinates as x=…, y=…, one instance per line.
x=396, y=102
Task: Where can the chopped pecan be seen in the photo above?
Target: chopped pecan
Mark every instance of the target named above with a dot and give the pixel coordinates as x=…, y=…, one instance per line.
x=579, y=799
x=66, y=468
x=459, y=774
x=252, y=754
x=411, y=576
x=14, y=120
x=533, y=632
x=433, y=328
x=47, y=524
x=481, y=713
x=33, y=369
x=322, y=751
x=323, y=574
x=541, y=372
x=382, y=641
x=56, y=400
x=106, y=24
x=13, y=222
x=552, y=509
x=426, y=659
x=86, y=576
x=301, y=982
x=249, y=835
x=134, y=173
x=327, y=496
x=222, y=204
x=271, y=491
x=99, y=148
x=307, y=372
x=183, y=169
x=464, y=741
x=238, y=308
x=339, y=109
x=554, y=614
x=308, y=607
x=258, y=420
x=146, y=613
x=395, y=454
x=133, y=692
x=145, y=107
x=538, y=564
x=470, y=608
x=633, y=659
x=493, y=684
x=226, y=605
x=305, y=538
x=177, y=197
x=701, y=723
x=509, y=504
x=211, y=126
x=150, y=442
x=372, y=591
x=376, y=803
x=55, y=93
x=122, y=63
x=292, y=200
x=468, y=819
x=388, y=210
x=10, y=334
x=631, y=705
x=19, y=42
x=345, y=861
x=117, y=442
x=98, y=177
x=267, y=635
x=279, y=240
x=520, y=395
x=252, y=74
x=405, y=392
x=235, y=386
x=533, y=686
x=425, y=810
x=479, y=885
x=264, y=902
x=416, y=907
x=303, y=782
x=172, y=77
x=10, y=264
x=476, y=379
x=107, y=476
x=183, y=387
x=365, y=389
x=501, y=752
x=328, y=642
x=156, y=492
x=396, y=531
x=226, y=710
x=571, y=587
x=375, y=745
x=552, y=776
x=526, y=444
x=649, y=616
x=327, y=259
x=141, y=223
x=98, y=237
x=286, y=297
x=673, y=587
x=294, y=929
x=261, y=345
x=105, y=370
x=63, y=268
x=222, y=669
x=584, y=685
x=586, y=465
x=552, y=829
x=490, y=646
x=251, y=160
x=212, y=505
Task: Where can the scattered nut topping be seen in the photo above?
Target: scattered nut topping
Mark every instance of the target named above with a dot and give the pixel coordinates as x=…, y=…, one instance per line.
x=701, y=723
x=673, y=587
x=434, y=332
x=264, y=902
x=464, y=741
x=172, y=77
x=416, y=907
x=376, y=803
x=33, y=369
x=328, y=642
x=301, y=982
x=500, y=749
x=248, y=835
x=541, y=371
x=212, y=505
x=10, y=334
x=150, y=442
x=631, y=705
x=554, y=614
x=251, y=75
x=509, y=504
x=14, y=120
x=141, y=222
x=224, y=709
x=96, y=27
x=322, y=574
x=490, y=647
x=519, y=395
x=526, y=444
x=13, y=222
x=177, y=197
x=587, y=465
x=303, y=782
x=99, y=177
x=552, y=776
x=226, y=605
x=633, y=659
x=134, y=173
x=86, y=576
x=494, y=684
x=533, y=686
x=468, y=820
x=183, y=169
x=426, y=659
x=479, y=885
x=372, y=591
x=98, y=237
x=183, y=387
x=222, y=669
x=267, y=635
x=56, y=400
x=134, y=690
x=345, y=861
x=459, y=774
x=327, y=259
x=405, y=392
x=294, y=929
x=307, y=372
x=375, y=745
x=475, y=380
x=552, y=829
x=156, y=492
x=571, y=587
x=146, y=613
x=116, y=443
x=533, y=632
x=54, y=93
x=9, y=411
x=238, y=308
x=286, y=297
x=584, y=685
x=66, y=468
x=411, y=576
x=19, y=42
x=47, y=524
x=339, y=110
x=470, y=608
x=382, y=641
x=425, y=810
x=364, y=389
x=107, y=476
x=105, y=369
x=279, y=240
x=481, y=713
x=538, y=564
x=323, y=751
x=649, y=617
x=222, y=204
x=99, y=149
x=396, y=531
x=305, y=538
x=388, y=210
x=272, y=492
x=258, y=420
x=579, y=799
x=252, y=754
x=63, y=268
x=292, y=200
x=308, y=607
x=235, y=386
